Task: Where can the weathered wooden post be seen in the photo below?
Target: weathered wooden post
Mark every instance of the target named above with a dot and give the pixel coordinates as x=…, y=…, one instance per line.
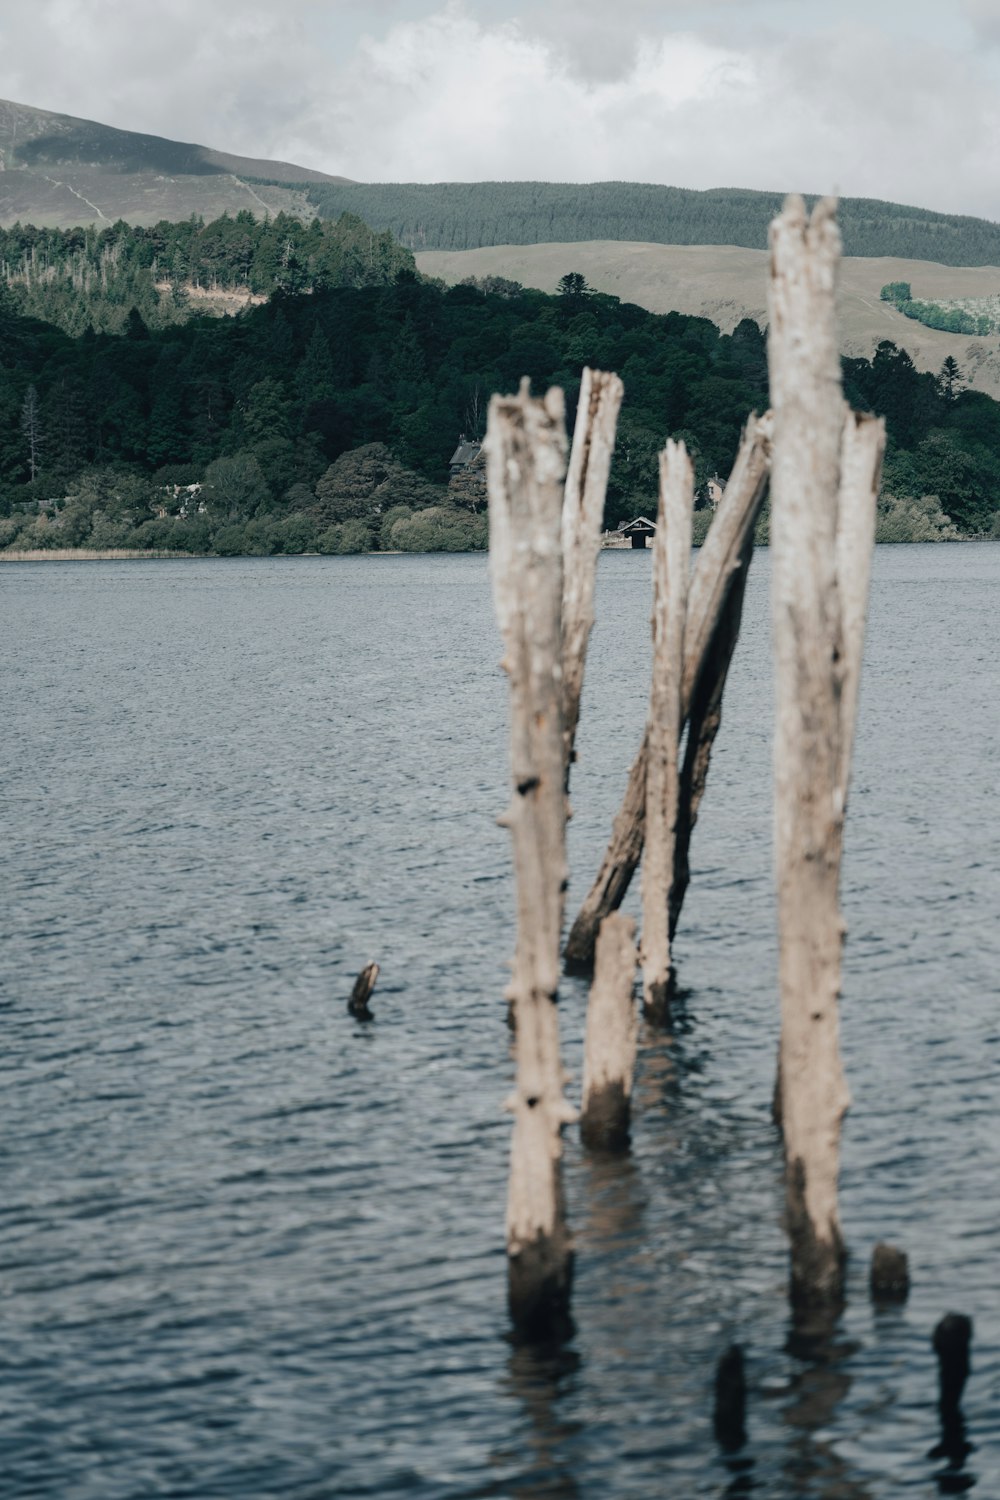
x=721, y=561
x=704, y=719
x=671, y=568
x=582, y=519
x=611, y=1039
x=526, y=462
x=824, y=481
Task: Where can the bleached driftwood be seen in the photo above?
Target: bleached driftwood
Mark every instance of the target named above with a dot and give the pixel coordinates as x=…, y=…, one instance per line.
x=611, y=1038
x=582, y=518
x=824, y=478
x=671, y=568
x=526, y=460
x=719, y=560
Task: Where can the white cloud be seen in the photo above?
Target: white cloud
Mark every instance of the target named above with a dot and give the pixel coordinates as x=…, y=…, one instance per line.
x=556, y=92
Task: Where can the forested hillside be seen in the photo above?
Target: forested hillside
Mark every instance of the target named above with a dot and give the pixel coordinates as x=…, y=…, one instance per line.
x=463, y=215
x=91, y=277
x=327, y=420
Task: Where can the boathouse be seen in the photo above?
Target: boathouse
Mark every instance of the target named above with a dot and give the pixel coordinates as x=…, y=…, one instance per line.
x=639, y=532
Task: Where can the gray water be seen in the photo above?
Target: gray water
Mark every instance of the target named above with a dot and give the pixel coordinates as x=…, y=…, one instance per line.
x=250, y=1247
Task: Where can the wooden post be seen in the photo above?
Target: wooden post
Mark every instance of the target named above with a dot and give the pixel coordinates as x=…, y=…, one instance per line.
x=611, y=1038
x=526, y=460
x=861, y=454
x=582, y=518
x=718, y=563
x=704, y=719
x=823, y=486
x=362, y=993
x=671, y=567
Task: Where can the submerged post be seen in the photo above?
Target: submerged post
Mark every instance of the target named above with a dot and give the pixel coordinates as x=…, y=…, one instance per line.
x=824, y=481
x=671, y=566
x=526, y=461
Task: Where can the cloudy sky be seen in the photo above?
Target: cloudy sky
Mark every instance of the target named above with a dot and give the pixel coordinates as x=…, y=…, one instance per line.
x=894, y=99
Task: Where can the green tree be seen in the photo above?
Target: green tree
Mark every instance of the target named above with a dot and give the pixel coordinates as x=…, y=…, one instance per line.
x=949, y=378
x=235, y=486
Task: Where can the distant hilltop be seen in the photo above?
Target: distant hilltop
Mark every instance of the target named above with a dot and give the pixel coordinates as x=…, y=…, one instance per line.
x=59, y=172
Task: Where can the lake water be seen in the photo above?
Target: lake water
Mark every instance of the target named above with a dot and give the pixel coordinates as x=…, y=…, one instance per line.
x=250, y=1247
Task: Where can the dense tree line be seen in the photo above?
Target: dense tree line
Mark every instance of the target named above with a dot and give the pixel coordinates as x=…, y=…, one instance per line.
x=93, y=277
x=464, y=215
x=326, y=421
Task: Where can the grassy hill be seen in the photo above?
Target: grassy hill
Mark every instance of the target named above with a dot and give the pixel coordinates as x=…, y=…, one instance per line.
x=467, y=215
x=59, y=171
x=727, y=283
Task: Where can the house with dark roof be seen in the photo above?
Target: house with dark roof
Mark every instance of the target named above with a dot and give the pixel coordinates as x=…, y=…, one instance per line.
x=465, y=454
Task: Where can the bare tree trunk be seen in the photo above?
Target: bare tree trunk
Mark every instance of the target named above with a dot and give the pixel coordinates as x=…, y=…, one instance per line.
x=704, y=719
x=671, y=566
x=611, y=1039
x=526, y=458
x=823, y=484
x=718, y=561
x=582, y=517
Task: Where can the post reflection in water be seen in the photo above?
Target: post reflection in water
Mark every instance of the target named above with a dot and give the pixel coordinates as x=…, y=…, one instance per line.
x=541, y=1378
x=815, y=1339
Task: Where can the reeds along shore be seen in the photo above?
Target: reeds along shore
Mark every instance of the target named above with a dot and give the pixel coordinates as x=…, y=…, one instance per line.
x=84, y=554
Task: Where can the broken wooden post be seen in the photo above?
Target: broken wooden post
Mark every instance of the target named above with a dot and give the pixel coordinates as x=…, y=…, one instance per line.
x=824, y=480
x=718, y=563
x=730, y=1405
x=671, y=567
x=362, y=993
x=889, y=1276
x=611, y=1038
x=952, y=1344
x=582, y=519
x=526, y=461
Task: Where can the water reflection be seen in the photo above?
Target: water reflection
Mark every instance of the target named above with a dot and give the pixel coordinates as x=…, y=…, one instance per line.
x=540, y=1379
x=812, y=1464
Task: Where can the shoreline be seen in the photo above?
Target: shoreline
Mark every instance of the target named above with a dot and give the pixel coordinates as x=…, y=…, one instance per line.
x=124, y=554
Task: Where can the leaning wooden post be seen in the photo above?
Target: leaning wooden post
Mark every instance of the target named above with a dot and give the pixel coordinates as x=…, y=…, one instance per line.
x=823, y=487
x=704, y=720
x=671, y=568
x=611, y=1038
x=719, y=561
x=582, y=517
x=526, y=460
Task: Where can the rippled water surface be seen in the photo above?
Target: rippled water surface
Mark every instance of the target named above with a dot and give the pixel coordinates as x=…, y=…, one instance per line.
x=250, y=1247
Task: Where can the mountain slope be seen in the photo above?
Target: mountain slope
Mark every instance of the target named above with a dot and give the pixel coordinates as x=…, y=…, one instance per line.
x=726, y=283
x=467, y=215
x=59, y=171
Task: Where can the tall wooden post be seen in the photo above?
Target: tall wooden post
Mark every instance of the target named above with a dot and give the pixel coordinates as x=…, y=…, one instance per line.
x=824, y=480
x=671, y=567
x=526, y=462
x=582, y=518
